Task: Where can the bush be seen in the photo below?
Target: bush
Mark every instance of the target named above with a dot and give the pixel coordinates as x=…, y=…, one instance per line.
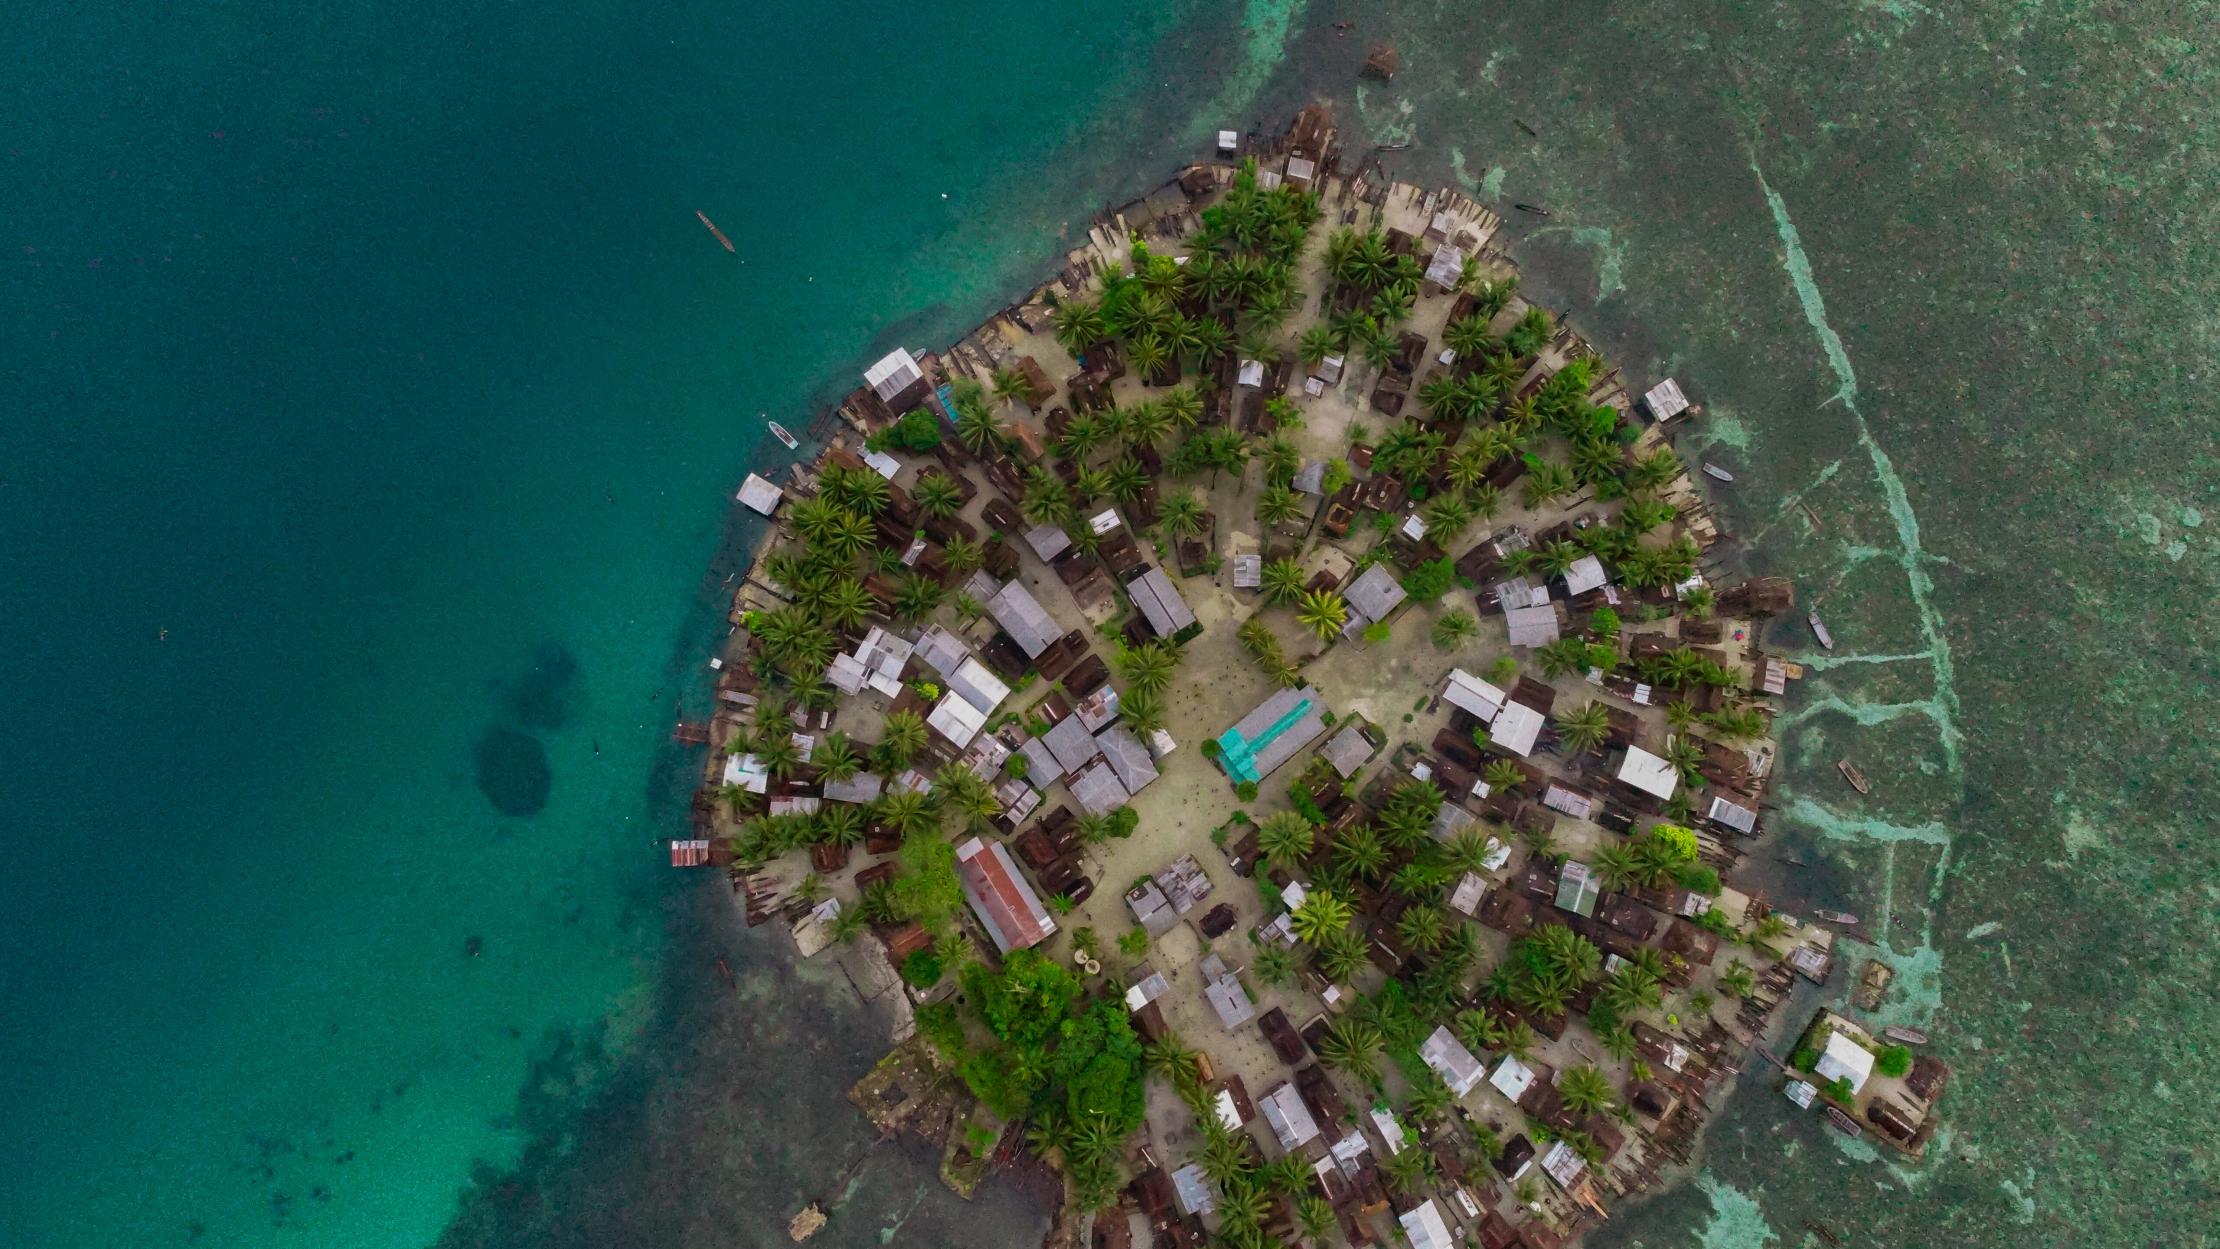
x=1376, y=632
x=1430, y=580
x=918, y=431
x=1804, y=1059
x=1211, y=749
x=939, y=1024
x=923, y=969
x=1123, y=821
x=1017, y=766
x=1893, y=1060
x=1246, y=791
x=1699, y=879
x=1839, y=1090
x=1134, y=944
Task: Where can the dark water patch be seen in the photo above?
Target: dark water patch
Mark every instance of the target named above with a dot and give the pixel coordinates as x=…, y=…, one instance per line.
x=513, y=771
x=546, y=696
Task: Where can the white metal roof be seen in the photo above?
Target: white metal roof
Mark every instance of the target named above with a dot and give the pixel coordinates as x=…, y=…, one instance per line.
x=1047, y=541
x=1301, y=169
x=1103, y=521
x=1228, y=140
x=1248, y=572
x=747, y=772
x=941, y=650
x=1845, y=1059
x=1515, y=728
x=1290, y=1119
x=1448, y=266
x=881, y=463
x=1732, y=814
x=760, y=494
x=1193, y=1190
x=1585, y=574
x=1390, y=1128
x=1451, y=1061
x=956, y=719
x=1466, y=897
x=1159, y=601
x=1531, y=626
x=1665, y=400
x=1561, y=1164
x=895, y=372
x=1512, y=1078
x=1465, y=690
x=1252, y=373
x=1426, y=1228
x=1648, y=773
x=978, y=684
x=1024, y=619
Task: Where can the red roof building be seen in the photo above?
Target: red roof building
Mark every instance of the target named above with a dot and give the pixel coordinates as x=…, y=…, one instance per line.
x=1006, y=905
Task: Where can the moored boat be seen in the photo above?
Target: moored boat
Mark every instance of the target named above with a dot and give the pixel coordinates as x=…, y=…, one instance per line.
x=778, y=431
x=714, y=230
x=1909, y=1036
x=1837, y=917
x=1819, y=630
x=1843, y=1123
x=1714, y=471
x=1856, y=778
x=1536, y=209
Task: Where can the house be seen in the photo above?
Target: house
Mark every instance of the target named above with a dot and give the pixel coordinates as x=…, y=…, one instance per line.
x=1127, y=757
x=1727, y=813
x=1471, y=694
x=1005, y=904
x=1151, y=909
x=1425, y=1227
x=941, y=651
x=1531, y=626
x=1098, y=790
x=1512, y=1078
x=1664, y=401
x=1646, y=772
x=1222, y=989
x=1289, y=1118
x=1071, y=747
x=1845, y=1059
x=1272, y=733
x=1192, y=1190
x=863, y=787
x=897, y=381
x=1585, y=574
x=1022, y=617
x=1563, y=1165
x=1373, y=595
x=1516, y=728
x=1248, y=572
x=1577, y=888
x=1048, y=542
x=1349, y=749
x=1451, y=1061
x=748, y=773
x=760, y=495
x=956, y=719
x=1159, y=601
x=978, y=685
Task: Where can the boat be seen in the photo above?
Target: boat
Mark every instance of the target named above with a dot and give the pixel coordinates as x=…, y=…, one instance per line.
x=714, y=230
x=1843, y=1123
x=1856, y=778
x=1536, y=209
x=778, y=431
x=1717, y=473
x=1837, y=917
x=1393, y=147
x=1909, y=1036
x=1819, y=630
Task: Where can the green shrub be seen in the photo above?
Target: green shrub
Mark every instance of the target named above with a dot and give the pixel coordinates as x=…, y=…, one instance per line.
x=1893, y=1060
x=1430, y=580
x=1246, y=791
x=939, y=1024
x=1698, y=879
x=1376, y=632
x=923, y=968
x=1804, y=1059
x=1211, y=749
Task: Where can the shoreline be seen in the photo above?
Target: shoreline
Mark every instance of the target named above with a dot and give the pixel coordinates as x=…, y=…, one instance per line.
x=990, y=347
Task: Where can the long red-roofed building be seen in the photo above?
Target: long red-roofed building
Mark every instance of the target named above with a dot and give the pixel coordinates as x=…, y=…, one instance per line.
x=1012, y=913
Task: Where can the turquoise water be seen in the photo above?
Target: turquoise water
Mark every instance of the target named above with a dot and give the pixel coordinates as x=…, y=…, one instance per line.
x=374, y=404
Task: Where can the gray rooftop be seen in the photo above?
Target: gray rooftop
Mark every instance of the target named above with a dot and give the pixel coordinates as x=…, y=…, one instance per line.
x=1159, y=600
x=1128, y=757
x=1348, y=750
x=1531, y=626
x=862, y=787
x=1023, y=618
x=1098, y=791
x=1047, y=541
x=941, y=650
x=1374, y=593
x=1248, y=572
x=1305, y=730
x=1071, y=744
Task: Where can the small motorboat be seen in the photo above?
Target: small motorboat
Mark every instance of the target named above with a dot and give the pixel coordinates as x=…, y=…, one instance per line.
x=1819, y=630
x=713, y=229
x=1837, y=917
x=1843, y=1123
x=778, y=431
x=1716, y=473
x=1856, y=778
x=1909, y=1036
x=1536, y=209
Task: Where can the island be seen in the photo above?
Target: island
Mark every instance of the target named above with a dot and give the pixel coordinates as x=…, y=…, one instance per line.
x=1265, y=709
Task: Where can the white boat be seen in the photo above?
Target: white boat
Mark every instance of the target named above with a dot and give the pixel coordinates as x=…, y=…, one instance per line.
x=778, y=431
x=1819, y=630
x=1714, y=471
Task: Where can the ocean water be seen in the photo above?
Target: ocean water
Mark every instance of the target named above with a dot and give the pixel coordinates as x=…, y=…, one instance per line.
x=374, y=401
x=1942, y=276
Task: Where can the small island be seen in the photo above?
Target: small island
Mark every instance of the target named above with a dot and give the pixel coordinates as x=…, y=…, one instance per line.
x=1263, y=708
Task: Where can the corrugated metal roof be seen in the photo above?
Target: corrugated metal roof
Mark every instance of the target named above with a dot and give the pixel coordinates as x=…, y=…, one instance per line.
x=1531, y=626
x=941, y=650
x=956, y=719
x=1007, y=907
x=1348, y=750
x=1516, y=728
x=862, y=787
x=1159, y=600
x=1128, y=757
x=1072, y=745
x=1023, y=618
x=1290, y=1119
x=1098, y=790
x=1465, y=690
x=1374, y=593
x=1648, y=773
x=1451, y=1061
x=978, y=684
x=760, y=495
x=1047, y=541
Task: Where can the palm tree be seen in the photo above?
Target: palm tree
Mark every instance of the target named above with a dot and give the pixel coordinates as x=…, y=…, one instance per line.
x=1584, y=728
x=1358, y=850
x=1146, y=424
x=957, y=788
x=906, y=813
x=1468, y=851
x=1352, y=1045
x=1683, y=752
x=1423, y=927
x=1558, y=557
x=1274, y=965
x=1631, y=991
x=1046, y=499
x=1226, y=1156
x=1454, y=628
x=1569, y=952
x=1286, y=838
x=1315, y=1217
x=779, y=756
x=916, y=596
x=1181, y=515
x=1408, y=1171
x=1467, y=337
x=1584, y=1089
x=963, y=555
x=839, y=824
x=937, y=494
x=1148, y=356
x=902, y=737
x=1546, y=482
x=1182, y=406
x=1431, y=1100
x=835, y=757
x=1282, y=581
x=1321, y=913
x=1544, y=993
x=1079, y=325
x=1654, y=470
x=1563, y=657
x=1446, y=517
x=1324, y=613
x=1341, y=954
x=1278, y=505
x=1613, y=867
x=1280, y=460
x=980, y=430
x=1736, y=981
x=1149, y=668
x=846, y=604
x=1143, y=710
x=1502, y=774
x=1314, y=345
